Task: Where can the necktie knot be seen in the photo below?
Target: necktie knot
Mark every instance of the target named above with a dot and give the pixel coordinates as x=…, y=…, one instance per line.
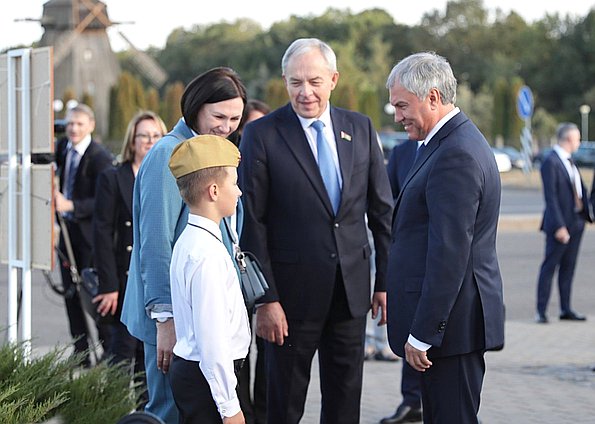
x=318, y=126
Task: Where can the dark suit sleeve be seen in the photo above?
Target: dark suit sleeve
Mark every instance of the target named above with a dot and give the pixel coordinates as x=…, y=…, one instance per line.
x=104, y=229
x=393, y=178
x=453, y=194
x=99, y=159
x=254, y=183
x=549, y=178
x=380, y=209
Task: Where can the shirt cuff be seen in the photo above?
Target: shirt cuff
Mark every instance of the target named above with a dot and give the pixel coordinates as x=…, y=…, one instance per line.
x=419, y=345
x=229, y=408
x=155, y=315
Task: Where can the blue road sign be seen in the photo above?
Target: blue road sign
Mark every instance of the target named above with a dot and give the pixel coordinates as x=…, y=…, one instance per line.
x=524, y=103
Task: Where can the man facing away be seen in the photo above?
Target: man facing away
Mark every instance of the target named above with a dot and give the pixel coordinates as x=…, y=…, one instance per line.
x=445, y=302
x=310, y=172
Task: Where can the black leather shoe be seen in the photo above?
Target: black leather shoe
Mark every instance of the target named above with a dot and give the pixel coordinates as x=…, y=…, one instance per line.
x=403, y=414
x=572, y=316
x=541, y=318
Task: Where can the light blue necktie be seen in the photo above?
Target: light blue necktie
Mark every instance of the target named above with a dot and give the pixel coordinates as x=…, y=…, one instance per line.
x=328, y=171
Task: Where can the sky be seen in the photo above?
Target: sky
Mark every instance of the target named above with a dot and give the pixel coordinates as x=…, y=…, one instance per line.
x=153, y=24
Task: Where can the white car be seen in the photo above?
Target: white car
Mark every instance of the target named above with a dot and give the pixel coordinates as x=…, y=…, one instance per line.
x=503, y=161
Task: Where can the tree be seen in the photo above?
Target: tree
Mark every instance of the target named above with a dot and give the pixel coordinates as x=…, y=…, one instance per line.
x=170, y=108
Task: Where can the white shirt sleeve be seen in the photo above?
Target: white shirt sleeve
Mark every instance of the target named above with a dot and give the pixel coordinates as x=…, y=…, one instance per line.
x=418, y=344
x=208, y=295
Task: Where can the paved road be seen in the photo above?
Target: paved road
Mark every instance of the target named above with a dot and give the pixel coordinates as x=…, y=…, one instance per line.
x=543, y=375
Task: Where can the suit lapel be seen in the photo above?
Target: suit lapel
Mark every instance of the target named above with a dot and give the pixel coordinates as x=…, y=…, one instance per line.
x=292, y=133
x=429, y=150
x=343, y=130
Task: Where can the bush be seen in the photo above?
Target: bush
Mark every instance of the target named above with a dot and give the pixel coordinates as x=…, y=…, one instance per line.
x=54, y=385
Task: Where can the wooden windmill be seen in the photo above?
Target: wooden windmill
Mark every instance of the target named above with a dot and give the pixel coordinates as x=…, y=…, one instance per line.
x=83, y=59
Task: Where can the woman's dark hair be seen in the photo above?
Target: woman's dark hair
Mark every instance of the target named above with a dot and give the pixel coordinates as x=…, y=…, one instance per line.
x=253, y=105
x=213, y=86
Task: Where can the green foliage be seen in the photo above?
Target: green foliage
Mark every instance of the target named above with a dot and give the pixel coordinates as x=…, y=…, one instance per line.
x=127, y=98
x=54, y=385
x=170, y=108
x=488, y=50
x=88, y=100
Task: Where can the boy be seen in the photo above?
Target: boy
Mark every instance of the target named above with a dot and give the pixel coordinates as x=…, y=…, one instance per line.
x=210, y=318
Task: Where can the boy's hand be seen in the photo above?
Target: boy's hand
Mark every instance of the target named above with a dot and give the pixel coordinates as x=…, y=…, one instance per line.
x=236, y=419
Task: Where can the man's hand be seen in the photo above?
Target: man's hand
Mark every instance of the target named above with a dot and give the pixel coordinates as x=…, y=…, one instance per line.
x=379, y=301
x=271, y=323
x=166, y=339
x=418, y=359
x=562, y=235
x=108, y=303
x=62, y=203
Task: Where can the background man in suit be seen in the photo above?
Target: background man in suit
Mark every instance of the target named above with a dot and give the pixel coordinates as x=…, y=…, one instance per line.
x=445, y=302
x=79, y=161
x=310, y=236
x=399, y=163
x=566, y=210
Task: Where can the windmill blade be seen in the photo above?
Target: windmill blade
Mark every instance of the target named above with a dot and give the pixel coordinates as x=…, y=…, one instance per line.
x=62, y=49
x=146, y=65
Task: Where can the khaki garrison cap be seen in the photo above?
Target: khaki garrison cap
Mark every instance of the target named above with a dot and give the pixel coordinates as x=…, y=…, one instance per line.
x=202, y=151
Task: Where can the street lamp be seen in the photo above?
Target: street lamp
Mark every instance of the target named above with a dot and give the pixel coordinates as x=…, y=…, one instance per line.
x=584, y=110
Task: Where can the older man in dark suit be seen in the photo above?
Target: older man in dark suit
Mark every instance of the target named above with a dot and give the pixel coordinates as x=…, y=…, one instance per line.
x=567, y=208
x=445, y=302
x=80, y=160
x=310, y=173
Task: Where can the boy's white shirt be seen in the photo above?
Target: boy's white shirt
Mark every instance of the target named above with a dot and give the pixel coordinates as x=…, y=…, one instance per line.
x=210, y=317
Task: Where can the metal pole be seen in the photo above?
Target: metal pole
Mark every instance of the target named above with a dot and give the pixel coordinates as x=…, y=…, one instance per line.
x=584, y=110
x=26, y=202
x=12, y=202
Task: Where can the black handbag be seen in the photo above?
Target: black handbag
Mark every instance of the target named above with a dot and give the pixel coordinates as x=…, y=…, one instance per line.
x=252, y=281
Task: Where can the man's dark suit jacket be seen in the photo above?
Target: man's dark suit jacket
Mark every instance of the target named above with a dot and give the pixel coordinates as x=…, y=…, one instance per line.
x=399, y=163
x=92, y=163
x=559, y=198
x=443, y=279
x=112, y=229
x=289, y=221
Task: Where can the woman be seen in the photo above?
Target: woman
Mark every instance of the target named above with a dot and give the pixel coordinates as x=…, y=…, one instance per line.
x=212, y=103
x=112, y=233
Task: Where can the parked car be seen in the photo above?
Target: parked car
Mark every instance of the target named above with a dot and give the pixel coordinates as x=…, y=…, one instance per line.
x=540, y=156
x=502, y=160
x=390, y=139
x=516, y=157
x=585, y=155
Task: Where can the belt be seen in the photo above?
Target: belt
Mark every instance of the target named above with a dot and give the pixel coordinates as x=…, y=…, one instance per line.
x=237, y=363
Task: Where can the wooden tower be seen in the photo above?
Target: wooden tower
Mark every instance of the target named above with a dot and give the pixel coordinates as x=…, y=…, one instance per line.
x=83, y=59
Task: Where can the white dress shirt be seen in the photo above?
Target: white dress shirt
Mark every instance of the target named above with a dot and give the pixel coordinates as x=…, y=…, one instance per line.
x=210, y=318
x=329, y=135
x=572, y=170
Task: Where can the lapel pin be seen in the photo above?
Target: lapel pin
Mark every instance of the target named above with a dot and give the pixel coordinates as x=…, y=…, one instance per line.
x=345, y=136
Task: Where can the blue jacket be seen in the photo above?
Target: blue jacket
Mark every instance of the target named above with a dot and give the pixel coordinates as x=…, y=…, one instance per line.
x=159, y=217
